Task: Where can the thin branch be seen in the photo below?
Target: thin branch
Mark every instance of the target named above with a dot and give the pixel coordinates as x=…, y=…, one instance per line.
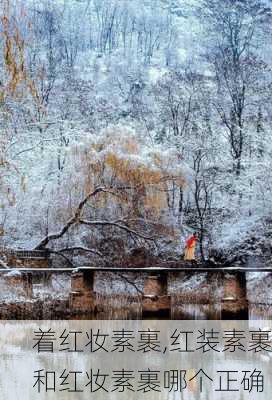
x=63, y=256
x=131, y=283
x=81, y=248
x=72, y=221
x=76, y=218
x=116, y=225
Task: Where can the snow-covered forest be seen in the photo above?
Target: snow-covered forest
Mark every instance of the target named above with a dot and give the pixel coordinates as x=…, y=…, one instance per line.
x=133, y=123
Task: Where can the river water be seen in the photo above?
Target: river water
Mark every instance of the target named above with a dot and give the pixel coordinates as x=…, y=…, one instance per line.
x=21, y=363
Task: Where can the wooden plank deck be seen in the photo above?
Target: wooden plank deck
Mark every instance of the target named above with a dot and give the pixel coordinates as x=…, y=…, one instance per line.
x=155, y=270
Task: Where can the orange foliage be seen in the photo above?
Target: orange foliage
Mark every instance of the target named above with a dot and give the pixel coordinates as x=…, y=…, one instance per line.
x=123, y=161
x=14, y=58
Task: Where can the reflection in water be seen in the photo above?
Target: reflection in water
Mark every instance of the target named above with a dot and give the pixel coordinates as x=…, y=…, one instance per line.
x=127, y=308
x=179, y=311
x=194, y=311
x=260, y=311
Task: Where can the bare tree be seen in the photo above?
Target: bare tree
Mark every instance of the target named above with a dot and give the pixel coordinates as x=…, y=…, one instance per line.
x=232, y=39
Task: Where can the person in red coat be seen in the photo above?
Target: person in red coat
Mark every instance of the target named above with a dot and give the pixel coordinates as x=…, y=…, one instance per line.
x=189, y=254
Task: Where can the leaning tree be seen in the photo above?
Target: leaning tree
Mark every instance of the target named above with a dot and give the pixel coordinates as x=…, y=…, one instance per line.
x=119, y=183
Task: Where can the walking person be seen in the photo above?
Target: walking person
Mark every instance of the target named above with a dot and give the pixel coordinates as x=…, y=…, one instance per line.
x=189, y=254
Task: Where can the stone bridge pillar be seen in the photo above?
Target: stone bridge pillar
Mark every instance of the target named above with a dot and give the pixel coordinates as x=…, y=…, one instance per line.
x=234, y=304
x=82, y=296
x=28, y=286
x=155, y=298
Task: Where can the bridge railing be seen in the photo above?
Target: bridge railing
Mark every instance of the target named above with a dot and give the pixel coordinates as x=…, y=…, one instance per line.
x=25, y=254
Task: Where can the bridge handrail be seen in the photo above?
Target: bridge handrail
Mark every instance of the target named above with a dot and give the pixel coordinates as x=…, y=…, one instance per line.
x=25, y=253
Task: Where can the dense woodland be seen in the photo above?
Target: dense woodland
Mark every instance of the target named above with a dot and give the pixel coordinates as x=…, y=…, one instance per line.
x=130, y=124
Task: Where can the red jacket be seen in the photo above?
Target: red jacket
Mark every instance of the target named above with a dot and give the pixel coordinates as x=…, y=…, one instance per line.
x=191, y=241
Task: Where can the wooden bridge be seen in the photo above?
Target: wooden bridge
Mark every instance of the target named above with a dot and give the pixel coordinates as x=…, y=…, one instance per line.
x=156, y=270
x=39, y=260
x=155, y=296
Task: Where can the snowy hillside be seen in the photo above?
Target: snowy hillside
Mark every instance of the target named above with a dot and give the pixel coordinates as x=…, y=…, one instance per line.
x=165, y=105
